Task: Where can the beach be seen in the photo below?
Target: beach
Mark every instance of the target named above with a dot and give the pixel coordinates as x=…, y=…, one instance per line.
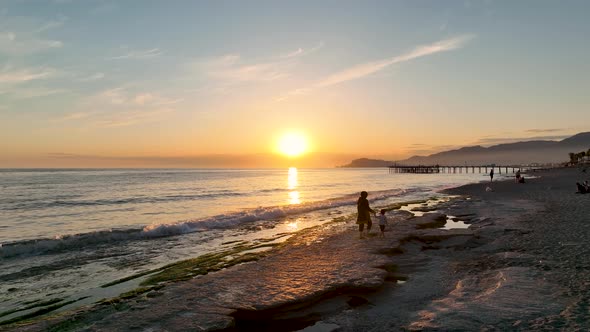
x=521, y=265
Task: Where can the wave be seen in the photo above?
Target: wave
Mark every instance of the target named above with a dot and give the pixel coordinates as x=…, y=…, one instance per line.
x=223, y=221
x=69, y=201
x=35, y=204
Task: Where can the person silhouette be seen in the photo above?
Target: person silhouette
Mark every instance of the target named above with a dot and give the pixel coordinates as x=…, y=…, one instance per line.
x=492, y=175
x=382, y=222
x=364, y=213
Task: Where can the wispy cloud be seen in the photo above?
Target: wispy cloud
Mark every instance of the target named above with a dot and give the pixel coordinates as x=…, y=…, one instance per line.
x=8, y=75
x=93, y=77
x=121, y=96
x=231, y=68
x=120, y=107
x=538, y=131
x=425, y=149
x=132, y=117
x=416, y=145
x=369, y=68
x=27, y=93
x=77, y=116
x=21, y=35
x=301, y=51
x=15, y=43
x=365, y=69
x=138, y=54
x=62, y=155
x=52, y=24
x=503, y=140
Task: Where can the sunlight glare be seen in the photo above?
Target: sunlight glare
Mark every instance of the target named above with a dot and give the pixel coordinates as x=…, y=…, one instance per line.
x=292, y=179
x=294, y=197
x=292, y=144
x=293, y=226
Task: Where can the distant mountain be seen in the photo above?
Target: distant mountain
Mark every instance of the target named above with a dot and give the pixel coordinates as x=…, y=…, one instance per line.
x=365, y=162
x=527, y=152
x=577, y=140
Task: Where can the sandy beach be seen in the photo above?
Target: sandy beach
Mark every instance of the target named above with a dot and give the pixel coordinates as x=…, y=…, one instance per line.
x=521, y=265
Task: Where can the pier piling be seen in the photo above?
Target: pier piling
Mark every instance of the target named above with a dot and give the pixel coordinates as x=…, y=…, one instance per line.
x=454, y=169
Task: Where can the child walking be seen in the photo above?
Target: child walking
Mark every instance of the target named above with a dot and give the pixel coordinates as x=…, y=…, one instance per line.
x=382, y=222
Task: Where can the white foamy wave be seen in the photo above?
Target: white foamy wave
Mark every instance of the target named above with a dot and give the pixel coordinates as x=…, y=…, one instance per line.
x=217, y=222
x=67, y=242
x=223, y=221
x=258, y=214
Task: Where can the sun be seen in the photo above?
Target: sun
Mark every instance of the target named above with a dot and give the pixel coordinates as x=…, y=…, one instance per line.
x=292, y=144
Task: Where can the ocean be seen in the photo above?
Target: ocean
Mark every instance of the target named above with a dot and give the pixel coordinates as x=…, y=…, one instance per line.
x=67, y=235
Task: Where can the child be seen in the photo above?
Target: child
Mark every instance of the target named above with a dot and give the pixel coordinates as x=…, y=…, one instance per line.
x=382, y=222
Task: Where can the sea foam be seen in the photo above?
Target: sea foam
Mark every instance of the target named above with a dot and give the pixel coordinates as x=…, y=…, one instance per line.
x=222, y=221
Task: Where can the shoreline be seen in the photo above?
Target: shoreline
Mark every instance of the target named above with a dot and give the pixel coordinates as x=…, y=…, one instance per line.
x=330, y=278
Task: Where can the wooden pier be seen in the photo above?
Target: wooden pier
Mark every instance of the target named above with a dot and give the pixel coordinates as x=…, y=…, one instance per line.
x=484, y=169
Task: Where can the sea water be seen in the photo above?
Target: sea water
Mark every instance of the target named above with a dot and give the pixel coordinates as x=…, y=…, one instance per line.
x=64, y=233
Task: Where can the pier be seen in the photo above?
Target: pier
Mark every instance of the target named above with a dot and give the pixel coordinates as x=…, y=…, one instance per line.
x=453, y=169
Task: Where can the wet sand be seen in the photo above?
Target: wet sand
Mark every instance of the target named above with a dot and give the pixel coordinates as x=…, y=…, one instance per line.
x=522, y=265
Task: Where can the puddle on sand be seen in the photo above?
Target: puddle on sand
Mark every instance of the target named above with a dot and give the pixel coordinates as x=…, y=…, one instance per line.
x=419, y=209
x=454, y=223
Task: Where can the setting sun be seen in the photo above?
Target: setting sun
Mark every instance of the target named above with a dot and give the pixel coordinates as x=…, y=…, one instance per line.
x=292, y=144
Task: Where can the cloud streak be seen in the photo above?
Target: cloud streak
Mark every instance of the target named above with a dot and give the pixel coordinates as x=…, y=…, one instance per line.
x=14, y=44
x=503, y=140
x=29, y=93
x=22, y=35
x=11, y=76
x=52, y=24
x=539, y=131
x=132, y=117
x=120, y=107
x=138, y=54
x=93, y=77
x=231, y=68
x=302, y=52
x=365, y=69
x=424, y=149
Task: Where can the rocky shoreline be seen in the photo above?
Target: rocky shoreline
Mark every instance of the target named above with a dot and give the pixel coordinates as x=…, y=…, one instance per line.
x=522, y=265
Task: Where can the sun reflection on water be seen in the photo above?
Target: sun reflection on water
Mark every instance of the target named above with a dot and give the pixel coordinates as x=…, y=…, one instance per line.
x=294, y=197
x=293, y=225
x=292, y=180
x=292, y=185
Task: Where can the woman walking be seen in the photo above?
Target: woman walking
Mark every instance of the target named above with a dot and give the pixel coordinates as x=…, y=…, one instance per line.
x=364, y=213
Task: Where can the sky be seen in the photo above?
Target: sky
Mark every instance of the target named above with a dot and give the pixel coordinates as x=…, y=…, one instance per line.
x=140, y=83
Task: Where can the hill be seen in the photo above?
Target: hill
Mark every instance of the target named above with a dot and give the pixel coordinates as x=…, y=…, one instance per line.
x=526, y=152
x=365, y=162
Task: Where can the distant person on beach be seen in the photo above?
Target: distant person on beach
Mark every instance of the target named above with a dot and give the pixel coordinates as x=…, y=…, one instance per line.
x=492, y=175
x=382, y=222
x=364, y=213
x=581, y=189
x=517, y=176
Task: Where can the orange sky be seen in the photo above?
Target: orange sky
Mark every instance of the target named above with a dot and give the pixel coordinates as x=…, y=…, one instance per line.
x=206, y=86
